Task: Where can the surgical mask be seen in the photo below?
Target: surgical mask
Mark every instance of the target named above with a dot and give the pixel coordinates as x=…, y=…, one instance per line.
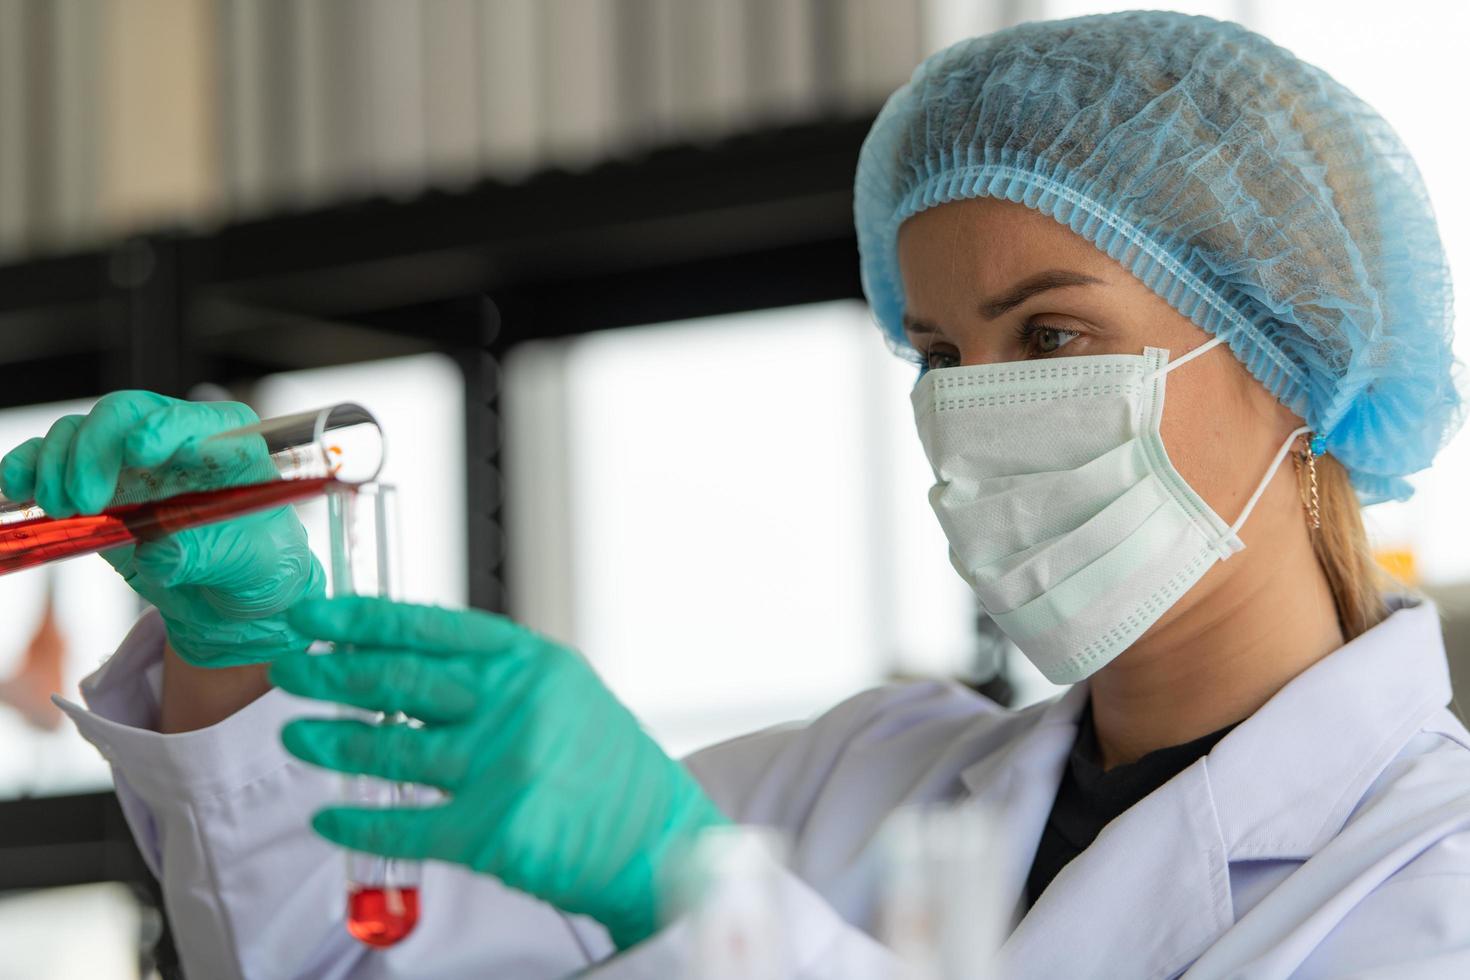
x=1062, y=509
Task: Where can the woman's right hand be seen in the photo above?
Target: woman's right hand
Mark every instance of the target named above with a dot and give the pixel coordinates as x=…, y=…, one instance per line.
x=222, y=589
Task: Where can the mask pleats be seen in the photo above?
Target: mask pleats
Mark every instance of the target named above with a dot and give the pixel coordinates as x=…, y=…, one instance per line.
x=1015, y=580
x=1078, y=593
x=1023, y=510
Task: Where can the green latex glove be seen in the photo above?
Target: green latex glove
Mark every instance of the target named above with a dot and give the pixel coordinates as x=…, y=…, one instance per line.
x=221, y=588
x=553, y=787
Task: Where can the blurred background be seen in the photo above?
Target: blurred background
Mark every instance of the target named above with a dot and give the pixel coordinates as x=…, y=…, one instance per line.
x=591, y=263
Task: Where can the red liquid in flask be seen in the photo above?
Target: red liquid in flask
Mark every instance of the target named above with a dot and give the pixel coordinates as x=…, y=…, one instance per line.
x=382, y=916
x=46, y=539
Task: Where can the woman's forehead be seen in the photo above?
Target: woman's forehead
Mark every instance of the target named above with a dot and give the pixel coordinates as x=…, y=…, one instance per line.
x=994, y=242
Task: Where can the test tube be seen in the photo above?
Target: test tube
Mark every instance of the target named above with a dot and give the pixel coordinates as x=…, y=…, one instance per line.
x=729, y=884
x=278, y=461
x=942, y=911
x=382, y=893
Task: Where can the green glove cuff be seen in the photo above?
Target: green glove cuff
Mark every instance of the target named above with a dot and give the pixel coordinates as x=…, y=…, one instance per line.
x=647, y=880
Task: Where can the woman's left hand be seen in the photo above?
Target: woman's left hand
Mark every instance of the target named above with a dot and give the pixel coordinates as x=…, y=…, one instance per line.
x=553, y=786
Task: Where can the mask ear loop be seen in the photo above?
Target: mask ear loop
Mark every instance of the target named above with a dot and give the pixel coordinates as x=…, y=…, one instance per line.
x=1202, y=349
x=1276, y=461
x=1270, y=472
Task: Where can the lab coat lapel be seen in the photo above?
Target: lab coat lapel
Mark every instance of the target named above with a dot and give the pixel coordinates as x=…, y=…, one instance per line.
x=1149, y=895
x=1288, y=777
x=1017, y=786
x=1152, y=893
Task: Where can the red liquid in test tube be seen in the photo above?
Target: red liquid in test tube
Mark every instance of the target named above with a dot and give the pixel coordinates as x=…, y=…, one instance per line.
x=46, y=539
x=382, y=892
x=382, y=916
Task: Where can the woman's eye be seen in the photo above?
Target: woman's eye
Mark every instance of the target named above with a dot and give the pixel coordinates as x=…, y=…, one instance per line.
x=1048, y=340
x=940, y=358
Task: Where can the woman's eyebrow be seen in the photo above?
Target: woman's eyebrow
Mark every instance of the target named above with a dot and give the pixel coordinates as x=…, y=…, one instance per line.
x=913, y=325
x=1027, y=288
x=1018, y=294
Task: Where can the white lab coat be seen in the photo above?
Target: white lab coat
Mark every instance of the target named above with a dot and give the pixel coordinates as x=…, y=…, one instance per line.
x=1328, y=835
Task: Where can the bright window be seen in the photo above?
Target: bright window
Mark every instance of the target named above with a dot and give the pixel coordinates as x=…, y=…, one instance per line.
x=728, y=516
x=92, y=611
x=419, y=402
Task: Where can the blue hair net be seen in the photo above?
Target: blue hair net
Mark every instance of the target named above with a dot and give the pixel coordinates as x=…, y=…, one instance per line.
x=1253, y=193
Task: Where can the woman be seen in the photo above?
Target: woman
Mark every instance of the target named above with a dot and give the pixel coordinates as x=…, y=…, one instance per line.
x=1143, y=260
